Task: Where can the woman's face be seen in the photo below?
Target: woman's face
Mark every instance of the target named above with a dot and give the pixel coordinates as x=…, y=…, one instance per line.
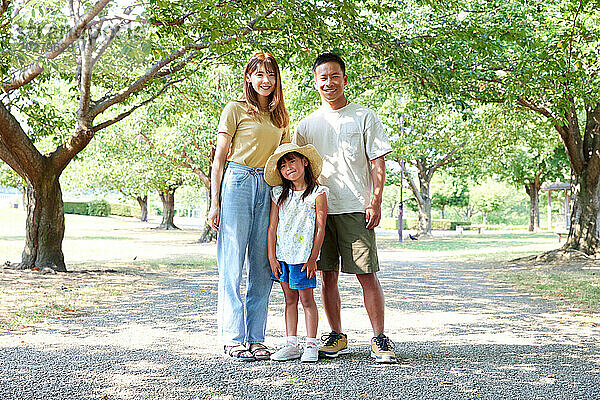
x=263, y=81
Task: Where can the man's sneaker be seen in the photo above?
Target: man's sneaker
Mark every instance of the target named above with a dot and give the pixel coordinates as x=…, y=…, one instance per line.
x=311, y=354
x=286, y=353
x=335, y=344
x=381, y=349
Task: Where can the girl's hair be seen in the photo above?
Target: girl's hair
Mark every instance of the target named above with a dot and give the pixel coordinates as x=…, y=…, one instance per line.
x=276, y=107
x=309, y=178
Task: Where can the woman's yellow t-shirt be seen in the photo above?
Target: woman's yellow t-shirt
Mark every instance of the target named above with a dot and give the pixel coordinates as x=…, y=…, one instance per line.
x=253, y=139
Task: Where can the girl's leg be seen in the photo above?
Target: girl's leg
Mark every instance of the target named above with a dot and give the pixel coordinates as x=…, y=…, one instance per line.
x=311, y=315
x=232, y=240
x=291, y=309
x=259, y=271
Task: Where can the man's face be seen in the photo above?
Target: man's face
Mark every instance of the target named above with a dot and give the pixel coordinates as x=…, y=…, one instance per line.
x=330, y=82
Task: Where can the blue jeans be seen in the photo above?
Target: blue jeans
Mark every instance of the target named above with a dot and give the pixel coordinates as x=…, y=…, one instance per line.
x=243, y=224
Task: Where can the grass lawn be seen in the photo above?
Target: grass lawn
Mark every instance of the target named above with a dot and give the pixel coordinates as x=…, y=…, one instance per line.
x=107, y=258
x=574, y=285
x=111, y=257
x=490, y=247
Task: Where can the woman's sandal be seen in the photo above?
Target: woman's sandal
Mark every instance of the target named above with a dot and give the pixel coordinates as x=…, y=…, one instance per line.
x=259, y=351
x=239, y=352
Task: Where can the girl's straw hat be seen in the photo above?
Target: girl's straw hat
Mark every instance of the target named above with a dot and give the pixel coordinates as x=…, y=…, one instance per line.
x=272, y=175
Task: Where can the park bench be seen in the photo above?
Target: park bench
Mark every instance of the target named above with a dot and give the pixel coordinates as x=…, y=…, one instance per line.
x=461, y=228
x=561, y=234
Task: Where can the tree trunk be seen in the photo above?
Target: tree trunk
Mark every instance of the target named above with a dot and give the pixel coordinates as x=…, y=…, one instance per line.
x=533, y=191
x=167, y=196
x=45, y=226
x=424, y=209
x=143, y=202
x=208, y=234
x=584, y=234
x=421, y=194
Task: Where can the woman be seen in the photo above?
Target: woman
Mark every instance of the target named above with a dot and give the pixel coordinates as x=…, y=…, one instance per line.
x=249, y=132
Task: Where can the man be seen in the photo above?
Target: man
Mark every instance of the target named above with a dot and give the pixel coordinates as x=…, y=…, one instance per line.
x=352, y=142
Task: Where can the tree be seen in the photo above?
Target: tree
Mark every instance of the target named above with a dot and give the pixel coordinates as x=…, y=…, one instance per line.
x=122, y=55
x=453, y=192
x=541, y=56
x=428, y=136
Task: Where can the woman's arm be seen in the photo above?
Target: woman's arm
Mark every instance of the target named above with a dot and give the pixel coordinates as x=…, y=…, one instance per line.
x=272, y=240
x=321, y=218
x=216, y=177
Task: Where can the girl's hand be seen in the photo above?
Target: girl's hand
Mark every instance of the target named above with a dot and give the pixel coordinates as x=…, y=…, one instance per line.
x=275, y=268
x=214, y=215
x=310, y=267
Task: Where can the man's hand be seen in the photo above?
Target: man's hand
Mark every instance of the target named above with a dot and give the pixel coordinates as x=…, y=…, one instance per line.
x=310, y=267
x=373, y=215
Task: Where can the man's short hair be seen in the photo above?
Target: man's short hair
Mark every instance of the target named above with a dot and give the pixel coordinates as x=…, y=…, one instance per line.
x=329, y=57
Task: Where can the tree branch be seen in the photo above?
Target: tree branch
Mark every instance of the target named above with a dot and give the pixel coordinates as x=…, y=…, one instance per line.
x=4, y=6
x=85, y=78
x=198, y=171
x=545, y=111
x=447, y=158
x=186, y=161
x=77, y=30
x=130, y=111
x=411, y=183
x=18, y=150
x=145, y=79
x=36, y=69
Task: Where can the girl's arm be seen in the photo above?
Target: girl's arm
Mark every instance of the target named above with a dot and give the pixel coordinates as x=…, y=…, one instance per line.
x=321, y=218
x=272, y=239
x=216, y=177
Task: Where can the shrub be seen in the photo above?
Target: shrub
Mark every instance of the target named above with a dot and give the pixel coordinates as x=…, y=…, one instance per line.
x=99, y=208
x=412, y=223
x=124, y=210
x=454, y=224
x=75, y=207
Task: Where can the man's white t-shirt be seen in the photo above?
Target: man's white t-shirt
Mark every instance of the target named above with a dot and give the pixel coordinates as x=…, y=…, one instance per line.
x=347, y=139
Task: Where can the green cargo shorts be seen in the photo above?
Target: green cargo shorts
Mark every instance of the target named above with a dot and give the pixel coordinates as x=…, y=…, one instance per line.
x=346, y=237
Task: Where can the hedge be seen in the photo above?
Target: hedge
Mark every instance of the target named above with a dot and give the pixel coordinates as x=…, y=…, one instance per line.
x=99, y=208
x=412, y=223
x=125, y=210
x=75, y=207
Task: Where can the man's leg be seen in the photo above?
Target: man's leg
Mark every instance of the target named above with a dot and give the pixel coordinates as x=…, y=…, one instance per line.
x=374, y=301
x=330, y=296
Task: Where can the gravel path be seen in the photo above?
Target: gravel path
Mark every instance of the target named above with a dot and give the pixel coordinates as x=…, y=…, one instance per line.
x=459, y=336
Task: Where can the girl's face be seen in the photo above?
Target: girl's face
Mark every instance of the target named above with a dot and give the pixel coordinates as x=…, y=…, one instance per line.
x=292, y=169
x=263, y=81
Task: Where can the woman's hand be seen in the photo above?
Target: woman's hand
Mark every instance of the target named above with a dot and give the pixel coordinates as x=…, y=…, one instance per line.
x=214, y=215
x=275, y=268
x=310, y=267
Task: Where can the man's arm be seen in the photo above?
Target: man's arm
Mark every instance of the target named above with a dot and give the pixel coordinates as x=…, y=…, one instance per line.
x=373, y=210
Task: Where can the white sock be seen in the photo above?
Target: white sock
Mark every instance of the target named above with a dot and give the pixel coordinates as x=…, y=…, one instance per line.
x=291, y=341
x=311, y=342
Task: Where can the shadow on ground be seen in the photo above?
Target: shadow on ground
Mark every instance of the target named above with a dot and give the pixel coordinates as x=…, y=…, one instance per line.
x=458, y=335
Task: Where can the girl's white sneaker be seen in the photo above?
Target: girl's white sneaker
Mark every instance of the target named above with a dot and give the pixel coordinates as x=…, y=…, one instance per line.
x=286, y=353
x=311, y=354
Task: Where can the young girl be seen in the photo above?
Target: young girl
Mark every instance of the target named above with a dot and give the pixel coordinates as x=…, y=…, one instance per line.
x=249, y=132
x=295, y=235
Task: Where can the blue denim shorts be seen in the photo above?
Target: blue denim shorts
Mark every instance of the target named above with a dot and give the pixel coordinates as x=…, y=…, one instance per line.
x=294, y=277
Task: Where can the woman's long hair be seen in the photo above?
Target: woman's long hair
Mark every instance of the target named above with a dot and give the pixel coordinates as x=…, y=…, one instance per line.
x=276, y=107
x=287, y=185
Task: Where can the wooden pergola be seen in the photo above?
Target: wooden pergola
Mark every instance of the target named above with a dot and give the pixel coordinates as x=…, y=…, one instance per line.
x=566, y=188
